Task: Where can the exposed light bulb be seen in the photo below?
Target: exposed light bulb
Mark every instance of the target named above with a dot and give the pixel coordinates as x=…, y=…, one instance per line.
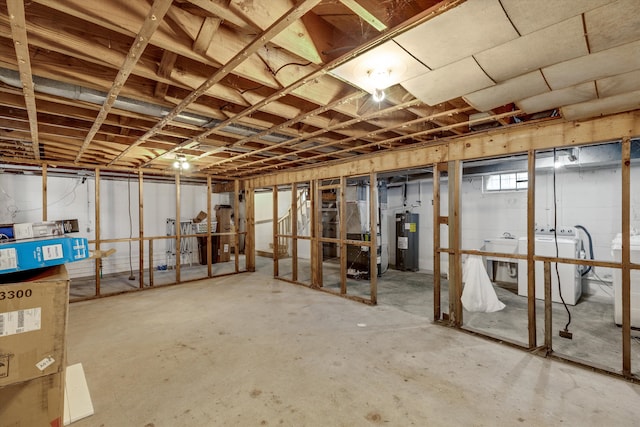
x=378, y=95
x=185, y=165
x=176, y=165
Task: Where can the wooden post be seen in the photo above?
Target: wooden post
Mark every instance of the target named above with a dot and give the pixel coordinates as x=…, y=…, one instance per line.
x=548, y=324
x=275, y=245
x=294, y=232
x=250, y=238
x=209, y=230
x=455, y=259
x=626, y=257
x=373, y=231
x=236, y=222
x=531, y=265
x=316, y=227
x=342, y=223
x=436, y=243
x=44, y=192
x=151, y=262
x=97, y=230
x=141, y=229
x=177, y=228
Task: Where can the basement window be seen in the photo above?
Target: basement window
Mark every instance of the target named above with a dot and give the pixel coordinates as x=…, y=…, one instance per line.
x=513, y=181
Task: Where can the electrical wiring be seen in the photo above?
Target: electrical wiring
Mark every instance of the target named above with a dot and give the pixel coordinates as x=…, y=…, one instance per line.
x=555, y=238
x=14, y=209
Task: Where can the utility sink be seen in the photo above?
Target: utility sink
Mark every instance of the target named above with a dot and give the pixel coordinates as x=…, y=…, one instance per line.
x=502, y=245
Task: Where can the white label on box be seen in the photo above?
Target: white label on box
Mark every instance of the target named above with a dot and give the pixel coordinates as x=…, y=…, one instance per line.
x=403, y=243
x=407, y=226
x=8, y=259
x=23, y=231
x=17, y=322
x=50, y=252
x=226, y=248
x=45, y=363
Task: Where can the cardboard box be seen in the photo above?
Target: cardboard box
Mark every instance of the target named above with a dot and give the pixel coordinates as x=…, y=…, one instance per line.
x=29, y=230
x=223, y=217
x=33, y=318
x=200, y=217
x=29, y=254
x=39, y=402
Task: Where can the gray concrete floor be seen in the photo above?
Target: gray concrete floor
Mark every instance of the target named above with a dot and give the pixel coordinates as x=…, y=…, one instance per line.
x=250, y=350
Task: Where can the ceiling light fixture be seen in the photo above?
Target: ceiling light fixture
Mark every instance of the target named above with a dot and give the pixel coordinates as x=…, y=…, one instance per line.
x=181, y=162
x=381, y=79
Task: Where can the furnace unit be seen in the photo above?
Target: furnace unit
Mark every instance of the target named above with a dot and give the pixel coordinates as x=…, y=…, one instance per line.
x=407, y=241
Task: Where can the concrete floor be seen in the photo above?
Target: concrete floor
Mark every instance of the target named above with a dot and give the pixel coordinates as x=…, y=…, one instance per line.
x=250, y=350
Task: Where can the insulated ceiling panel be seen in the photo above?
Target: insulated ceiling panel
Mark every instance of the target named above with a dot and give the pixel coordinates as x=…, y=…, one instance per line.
x=531, y=15
x=600, y=107
x=472, y=27
x=621, y=59
x=548, y=46
x=619, y=84
x=387, y=56
x=612, y=25
x=557, y=98
x=507, y=92
x=451, y=81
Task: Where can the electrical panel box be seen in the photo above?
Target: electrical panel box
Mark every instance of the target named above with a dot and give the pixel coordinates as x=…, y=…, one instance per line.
x=407, y=247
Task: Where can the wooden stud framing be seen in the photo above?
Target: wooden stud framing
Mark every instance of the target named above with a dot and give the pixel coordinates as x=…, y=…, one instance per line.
x=236, y=223
x=151, y=262
x=44, y=193
x=548, y=321
x=141, y=229
x=626, y=256
x=276, y=236
x=177, y=228
x=97, y=230
x=317, y=257
x=342, y=214
x=455, y=259
x=373, y=230
x=531, y=265
x=249, y=242
x=209, y=230
x=436, y=244
x=294, y=232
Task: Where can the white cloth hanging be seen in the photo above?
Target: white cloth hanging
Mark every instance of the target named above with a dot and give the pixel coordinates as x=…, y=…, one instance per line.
x=478, y=293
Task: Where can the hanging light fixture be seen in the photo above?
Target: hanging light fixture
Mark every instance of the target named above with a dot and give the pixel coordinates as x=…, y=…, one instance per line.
x=181, y=162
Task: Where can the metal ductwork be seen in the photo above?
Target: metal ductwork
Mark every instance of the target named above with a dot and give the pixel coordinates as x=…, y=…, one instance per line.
x=79, y=93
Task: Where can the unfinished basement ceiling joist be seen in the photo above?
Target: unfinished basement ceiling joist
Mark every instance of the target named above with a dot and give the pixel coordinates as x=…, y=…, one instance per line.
x=247, y=88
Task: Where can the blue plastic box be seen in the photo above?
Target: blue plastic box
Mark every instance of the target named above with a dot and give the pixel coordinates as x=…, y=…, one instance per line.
x=37, y=253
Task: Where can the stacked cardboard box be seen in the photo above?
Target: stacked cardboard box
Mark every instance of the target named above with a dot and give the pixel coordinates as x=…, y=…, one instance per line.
x=223, y=217
x=33, y=318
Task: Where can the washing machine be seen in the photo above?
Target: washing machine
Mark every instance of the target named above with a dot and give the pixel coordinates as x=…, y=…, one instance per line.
x=570, y=279
x=616, y=250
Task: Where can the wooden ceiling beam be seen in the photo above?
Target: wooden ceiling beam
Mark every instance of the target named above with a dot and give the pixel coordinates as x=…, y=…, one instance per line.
x=21, y=45
x=221, y=9
x=364, y=14
x=203, y=41
x=339, y=125
x=400, y=138
x=249, y=50
x=294, y=38
x=150, y=25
